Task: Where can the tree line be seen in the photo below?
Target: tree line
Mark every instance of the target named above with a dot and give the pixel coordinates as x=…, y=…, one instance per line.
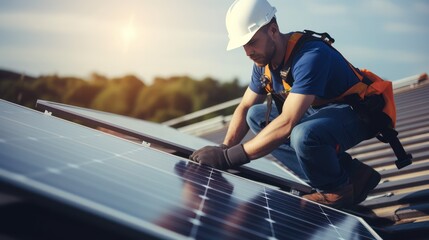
x=164, y=99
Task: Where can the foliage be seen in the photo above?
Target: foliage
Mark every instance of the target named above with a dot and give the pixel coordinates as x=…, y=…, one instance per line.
x=164, y=99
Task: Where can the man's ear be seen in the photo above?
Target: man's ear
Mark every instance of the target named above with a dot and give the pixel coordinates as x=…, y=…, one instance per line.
x=273, y=29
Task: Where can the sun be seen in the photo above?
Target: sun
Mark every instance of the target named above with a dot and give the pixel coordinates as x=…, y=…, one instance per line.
x=128, y=34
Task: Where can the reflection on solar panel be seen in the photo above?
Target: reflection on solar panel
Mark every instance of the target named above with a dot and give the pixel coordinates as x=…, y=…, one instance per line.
x=148, y=193
x=170, y=138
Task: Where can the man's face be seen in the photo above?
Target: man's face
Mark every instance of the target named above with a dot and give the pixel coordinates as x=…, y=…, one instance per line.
x=260, y=48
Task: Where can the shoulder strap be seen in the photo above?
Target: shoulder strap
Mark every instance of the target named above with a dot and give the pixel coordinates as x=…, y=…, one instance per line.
x=294, y=44
x=290, y=47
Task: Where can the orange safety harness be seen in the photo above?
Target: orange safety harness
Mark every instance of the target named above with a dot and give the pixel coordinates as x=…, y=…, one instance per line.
x=372, y=97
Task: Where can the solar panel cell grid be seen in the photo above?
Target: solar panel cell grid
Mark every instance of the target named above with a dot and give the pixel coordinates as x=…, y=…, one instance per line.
x=144, y=190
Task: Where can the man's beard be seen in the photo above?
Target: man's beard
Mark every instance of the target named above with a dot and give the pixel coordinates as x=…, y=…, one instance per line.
x=263, y=60
x=260, y=63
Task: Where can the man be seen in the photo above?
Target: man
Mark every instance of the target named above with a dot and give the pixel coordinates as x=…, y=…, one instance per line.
x=311, y=142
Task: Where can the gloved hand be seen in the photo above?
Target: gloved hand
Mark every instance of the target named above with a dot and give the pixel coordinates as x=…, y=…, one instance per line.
x=219, y=157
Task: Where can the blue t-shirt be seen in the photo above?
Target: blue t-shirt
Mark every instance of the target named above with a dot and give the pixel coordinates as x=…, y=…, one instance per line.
x=317, y=70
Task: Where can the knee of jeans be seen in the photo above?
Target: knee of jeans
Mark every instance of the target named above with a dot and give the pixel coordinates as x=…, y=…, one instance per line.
x=300, y=138
x=255, y=118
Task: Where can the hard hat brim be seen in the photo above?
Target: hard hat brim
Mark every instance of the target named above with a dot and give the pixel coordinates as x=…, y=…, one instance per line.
x=240, y=41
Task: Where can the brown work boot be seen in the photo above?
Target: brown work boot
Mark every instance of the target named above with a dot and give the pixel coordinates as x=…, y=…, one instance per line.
x=363, y=177
x=341, y=197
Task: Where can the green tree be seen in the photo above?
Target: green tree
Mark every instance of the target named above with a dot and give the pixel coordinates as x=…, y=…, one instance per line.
x=118, y=96
x=83, y=95
x=164, y=99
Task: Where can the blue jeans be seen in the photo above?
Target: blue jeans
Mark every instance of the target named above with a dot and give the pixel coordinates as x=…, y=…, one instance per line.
x=315, y=142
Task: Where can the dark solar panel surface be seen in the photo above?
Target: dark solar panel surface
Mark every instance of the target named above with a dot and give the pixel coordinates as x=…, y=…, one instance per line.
x=152, y=132
x=148, y=192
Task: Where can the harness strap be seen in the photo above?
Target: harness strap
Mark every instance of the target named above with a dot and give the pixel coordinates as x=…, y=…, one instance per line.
x=268, y=82
x=294, y=43
x=269, y=86
x=290, y=46
x=269, y=107
x=390, y=135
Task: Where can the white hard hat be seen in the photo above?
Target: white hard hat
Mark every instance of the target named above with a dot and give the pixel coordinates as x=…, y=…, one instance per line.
x=244, y=18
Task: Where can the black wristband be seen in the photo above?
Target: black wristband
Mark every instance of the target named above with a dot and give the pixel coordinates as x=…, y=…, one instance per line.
x=236, y=156
x=223, y=146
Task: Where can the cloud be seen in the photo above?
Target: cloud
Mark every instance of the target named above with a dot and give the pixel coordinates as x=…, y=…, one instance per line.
x=325, y=9
x=421, y=7
x=385, y=55
x=383, y=7
x=51, y=22
x=405, y=28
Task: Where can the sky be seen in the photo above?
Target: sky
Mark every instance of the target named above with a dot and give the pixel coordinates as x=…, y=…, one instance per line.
x=167, y=38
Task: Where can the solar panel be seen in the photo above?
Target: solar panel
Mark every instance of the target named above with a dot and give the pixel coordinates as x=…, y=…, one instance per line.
x=144, y=192
x=164, y=136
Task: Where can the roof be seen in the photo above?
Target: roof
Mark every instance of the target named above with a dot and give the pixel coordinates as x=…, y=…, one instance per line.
x=399, y=206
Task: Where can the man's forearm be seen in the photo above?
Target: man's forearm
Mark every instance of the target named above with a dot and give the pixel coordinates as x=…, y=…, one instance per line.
x=269, y=138
x=237, y=129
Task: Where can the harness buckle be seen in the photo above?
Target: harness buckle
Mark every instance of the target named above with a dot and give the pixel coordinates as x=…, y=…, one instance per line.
x=284, y=73
x=265, y=81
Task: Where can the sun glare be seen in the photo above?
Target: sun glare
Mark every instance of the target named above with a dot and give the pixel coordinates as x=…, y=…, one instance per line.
x=128, y=34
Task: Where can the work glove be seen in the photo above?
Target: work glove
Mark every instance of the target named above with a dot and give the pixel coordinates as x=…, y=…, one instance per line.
x=220, y=157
